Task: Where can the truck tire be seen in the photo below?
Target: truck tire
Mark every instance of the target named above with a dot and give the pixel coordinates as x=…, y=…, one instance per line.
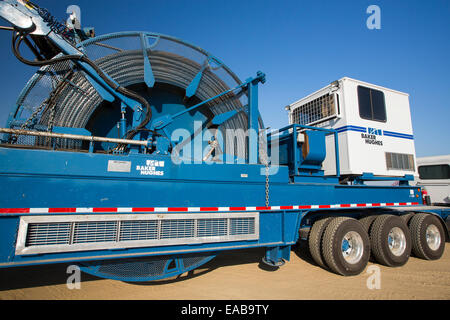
x=407, y=217
x=390, y=240
x=428, y=237
x=345, y=246
x=315, y=240
x=367, y=222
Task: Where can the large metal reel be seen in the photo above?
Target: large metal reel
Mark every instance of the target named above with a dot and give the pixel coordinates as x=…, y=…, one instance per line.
x=160, y=68
x=146, y=268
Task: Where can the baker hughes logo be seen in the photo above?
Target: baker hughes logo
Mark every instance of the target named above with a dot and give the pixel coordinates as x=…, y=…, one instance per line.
x=151, y=168
x=372, y=135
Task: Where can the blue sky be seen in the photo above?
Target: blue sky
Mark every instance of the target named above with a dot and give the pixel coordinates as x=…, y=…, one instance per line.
x=300, y=45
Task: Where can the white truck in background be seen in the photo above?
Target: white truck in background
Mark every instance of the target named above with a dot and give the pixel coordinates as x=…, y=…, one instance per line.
x=434, y=177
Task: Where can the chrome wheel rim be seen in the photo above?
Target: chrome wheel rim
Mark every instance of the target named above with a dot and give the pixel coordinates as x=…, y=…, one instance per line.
x=352, y=247
x=397, y=241
x=433, y=237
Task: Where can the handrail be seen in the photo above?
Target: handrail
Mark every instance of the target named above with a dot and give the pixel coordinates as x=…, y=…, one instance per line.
x=330, y=131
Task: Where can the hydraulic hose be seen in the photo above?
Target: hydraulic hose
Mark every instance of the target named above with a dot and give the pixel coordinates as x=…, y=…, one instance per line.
x=82, y=58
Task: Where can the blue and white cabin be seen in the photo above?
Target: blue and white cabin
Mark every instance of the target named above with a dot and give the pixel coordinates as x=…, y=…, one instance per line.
x=374, y=126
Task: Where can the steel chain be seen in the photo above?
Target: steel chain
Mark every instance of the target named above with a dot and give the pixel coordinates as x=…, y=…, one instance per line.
x=267, y=184
x=33, y=115
x=264, y=158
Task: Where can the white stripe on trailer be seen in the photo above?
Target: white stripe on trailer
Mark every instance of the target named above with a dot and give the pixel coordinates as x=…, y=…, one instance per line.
x=39, y=210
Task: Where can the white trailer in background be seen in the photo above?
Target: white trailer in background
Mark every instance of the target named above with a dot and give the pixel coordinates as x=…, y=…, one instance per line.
x=434, y=177
x=374, y=126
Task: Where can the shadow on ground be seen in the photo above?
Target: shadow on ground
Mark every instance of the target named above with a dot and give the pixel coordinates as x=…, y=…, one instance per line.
x=301, y=250
x=55, y=274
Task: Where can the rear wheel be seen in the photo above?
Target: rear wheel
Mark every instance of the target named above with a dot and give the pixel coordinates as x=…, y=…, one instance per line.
x=315, y=240
x=345, y=246
x=428, y=237
x=390, y=240
x=367, y=222
x=407, y=217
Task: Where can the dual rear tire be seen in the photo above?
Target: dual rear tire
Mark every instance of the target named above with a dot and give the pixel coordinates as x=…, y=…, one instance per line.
x=422, y=232
x=390, y=240
x=344, y=245
x=428, y=241
x=341, y=244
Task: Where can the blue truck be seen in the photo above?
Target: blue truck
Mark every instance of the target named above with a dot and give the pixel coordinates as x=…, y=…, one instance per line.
x=138, y=156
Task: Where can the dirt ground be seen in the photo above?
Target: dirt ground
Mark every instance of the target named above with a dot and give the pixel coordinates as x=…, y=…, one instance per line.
x=240, y=275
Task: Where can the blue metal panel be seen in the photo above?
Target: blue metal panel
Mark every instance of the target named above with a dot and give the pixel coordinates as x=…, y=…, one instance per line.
x=107, y=96
x=8, y=233
x=149, y=78
x=192, y=87
x=253, y=123
x=87, y=178
x=290, y=151
x=317, y=151
x=69, y=130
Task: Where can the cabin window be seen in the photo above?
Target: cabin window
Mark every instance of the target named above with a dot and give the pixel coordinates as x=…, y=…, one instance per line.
x=434, y=172
x=371, y=104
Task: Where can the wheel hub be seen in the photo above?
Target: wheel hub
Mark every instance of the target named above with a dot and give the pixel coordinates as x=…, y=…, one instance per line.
x=433, y=237
x=397, y=241
x=352, y=247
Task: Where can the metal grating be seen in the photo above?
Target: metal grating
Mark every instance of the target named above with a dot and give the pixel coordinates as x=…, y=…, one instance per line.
x=242, y=226
x=137, y=268
x=146, y=268
x=48, y=234
x=212, y=227
x=191, y=260
x=95, y=231
x=314, y=111
x=175, y=229
x=39, y=234
x=400, y=161
x=138, y=230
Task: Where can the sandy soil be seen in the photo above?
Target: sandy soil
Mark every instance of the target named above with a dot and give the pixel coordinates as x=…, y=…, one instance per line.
x=240, y=275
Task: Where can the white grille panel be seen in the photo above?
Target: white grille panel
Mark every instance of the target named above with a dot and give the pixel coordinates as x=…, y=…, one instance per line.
x=212, y=227
x=242, y=226
x=96, y=231
x=138, y=230
x=48, y=234
x=173, y=229
x=45, y=234
x=400, y=161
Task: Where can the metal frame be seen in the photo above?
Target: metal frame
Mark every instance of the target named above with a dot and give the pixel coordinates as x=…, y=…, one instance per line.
x=295, y=130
